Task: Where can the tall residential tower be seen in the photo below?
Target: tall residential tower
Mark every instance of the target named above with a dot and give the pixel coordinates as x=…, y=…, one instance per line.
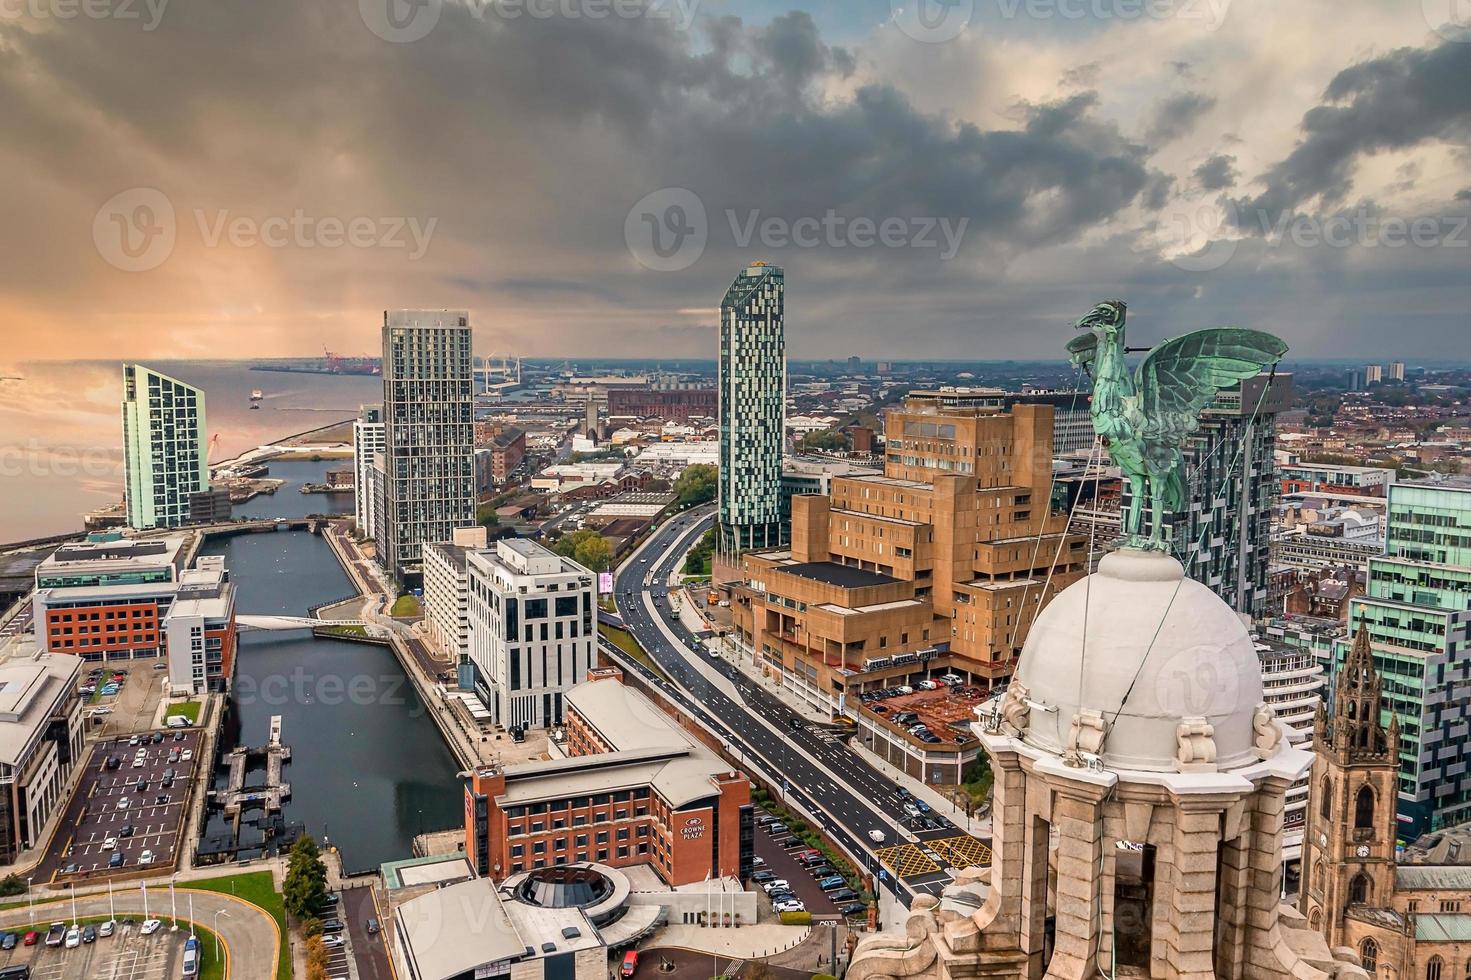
x=753, y=387
x=429, y=435
x=165, y=454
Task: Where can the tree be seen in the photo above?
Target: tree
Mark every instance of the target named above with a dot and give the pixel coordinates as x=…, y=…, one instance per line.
x=305, y=887
x=586, y=547
x=698, y=561
x=12, y=885
x=696, y=485
x=826, y=439
x=486, y=516
x=316, y=959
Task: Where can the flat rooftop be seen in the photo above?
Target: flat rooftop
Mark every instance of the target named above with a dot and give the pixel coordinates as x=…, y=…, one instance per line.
x=831, y=573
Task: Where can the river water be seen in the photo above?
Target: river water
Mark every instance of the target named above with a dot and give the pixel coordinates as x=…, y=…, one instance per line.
x=369, y=768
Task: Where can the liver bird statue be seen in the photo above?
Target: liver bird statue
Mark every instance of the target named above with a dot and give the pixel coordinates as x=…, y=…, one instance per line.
x=1145, y=419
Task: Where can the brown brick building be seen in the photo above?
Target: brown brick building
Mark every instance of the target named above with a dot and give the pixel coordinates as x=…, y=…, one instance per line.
x=635, y=789
x=671, y=405
x=947, y=556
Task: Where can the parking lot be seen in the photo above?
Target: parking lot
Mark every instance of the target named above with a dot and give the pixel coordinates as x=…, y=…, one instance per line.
x=782, y=862
x=126, y=955
x=128, y=816
x=135, y=701
x=940, y=715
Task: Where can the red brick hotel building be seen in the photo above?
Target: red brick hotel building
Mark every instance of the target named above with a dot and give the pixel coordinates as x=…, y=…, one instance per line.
x=635, y=789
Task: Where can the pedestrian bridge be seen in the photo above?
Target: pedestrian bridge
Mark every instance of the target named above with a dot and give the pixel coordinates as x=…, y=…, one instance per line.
x=291, y=622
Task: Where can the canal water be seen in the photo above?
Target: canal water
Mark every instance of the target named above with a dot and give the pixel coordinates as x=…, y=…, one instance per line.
x=369, y=768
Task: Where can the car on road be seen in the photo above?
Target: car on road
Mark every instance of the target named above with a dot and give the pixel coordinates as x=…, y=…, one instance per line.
x=877, y=836
x=73, y=938
x=923, y=806
x=630, y=964
x=372, y=926
x=31, y=938
x=150, y=926
x=911, y=811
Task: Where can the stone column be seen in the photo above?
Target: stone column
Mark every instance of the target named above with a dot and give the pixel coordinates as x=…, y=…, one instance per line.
x=1001, y=916
x=1264, y=861
x=1078, y=815
x=1190, y=904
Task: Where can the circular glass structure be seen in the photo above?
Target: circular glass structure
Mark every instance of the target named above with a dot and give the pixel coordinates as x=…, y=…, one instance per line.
x=565, y=887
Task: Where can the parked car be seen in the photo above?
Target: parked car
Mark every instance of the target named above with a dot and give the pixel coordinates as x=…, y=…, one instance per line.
x=775, y=885
x=89, y=934
x=9, y=940
x=31, y=938
x=127, y=830
x=150, y=926
x=186, y=755
x=832, y=883
x=854, y=908
x=55, y=933
x=138, y=762
x=758, y=862
x=73, y=938
x=790, y=906
x=809, y=856
x=113, y=762
x=761, y=877
x=116, y=861
x=146, y=857
x=109, y=844
x=776, y=828
x=332, y=941
x=124, y=803
x=106, y=929
x=842, y=895
x=330, y=926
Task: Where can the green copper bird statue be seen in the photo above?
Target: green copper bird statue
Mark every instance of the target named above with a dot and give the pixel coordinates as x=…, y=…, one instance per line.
x=1145, y=419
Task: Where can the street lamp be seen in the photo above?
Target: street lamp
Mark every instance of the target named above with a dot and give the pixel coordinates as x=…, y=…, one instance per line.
x=218, y=913
x=30, y=898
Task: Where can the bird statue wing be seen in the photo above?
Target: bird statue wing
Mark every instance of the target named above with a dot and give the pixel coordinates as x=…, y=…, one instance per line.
x=1180, y=377
x=1082, y=349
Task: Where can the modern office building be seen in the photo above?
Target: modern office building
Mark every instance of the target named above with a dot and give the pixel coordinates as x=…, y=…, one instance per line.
x=533, y=630
x=1337, y=478
x=112, y=600
x=1416, y=612
x=368, y=441
x=753, y=387
x=941, y=561
x=429, y=435
x=165, y=448
x=41, y=742
x=634, y=789
x=447, y=591
x=1224, y=535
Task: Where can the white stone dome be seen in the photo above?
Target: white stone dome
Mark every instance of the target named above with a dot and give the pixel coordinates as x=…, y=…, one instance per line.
x=1202, y=664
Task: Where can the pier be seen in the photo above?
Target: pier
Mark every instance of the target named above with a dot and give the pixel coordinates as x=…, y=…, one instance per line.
x=235, y=797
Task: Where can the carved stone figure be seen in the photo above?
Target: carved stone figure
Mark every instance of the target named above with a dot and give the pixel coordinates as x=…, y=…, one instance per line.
x=1145, y=419
x=1195, y=745
x=1086, y=734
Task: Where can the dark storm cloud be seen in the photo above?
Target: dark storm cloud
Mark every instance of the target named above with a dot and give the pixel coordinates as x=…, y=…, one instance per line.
x=1218, y=172
x=1175, y=116
x=1397, y=101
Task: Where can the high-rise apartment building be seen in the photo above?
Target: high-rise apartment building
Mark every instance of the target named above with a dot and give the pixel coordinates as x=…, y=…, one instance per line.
x=1373, y=374
x=753, y=387
x=1416, y=610
x=533, y=630
x=165, y=449
x=368, y=440
x=429, y=434
x=943, y=560
x=1223, y=535
x=1396, y=370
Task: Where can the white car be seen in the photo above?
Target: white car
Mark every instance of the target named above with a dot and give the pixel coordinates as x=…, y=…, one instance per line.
x=137, y=762
x=109, y=843
x=779, y=883
x=150, y=926
x=791, y=906
x=877, y=836
x=146, y=857
x=332, y=942
x=186, y=755
x=73, y=938
x=124, y=803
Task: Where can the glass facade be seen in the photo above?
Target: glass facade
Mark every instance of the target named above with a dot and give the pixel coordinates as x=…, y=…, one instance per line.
x=165, y=454
x=1417, y=609
x=753, y=383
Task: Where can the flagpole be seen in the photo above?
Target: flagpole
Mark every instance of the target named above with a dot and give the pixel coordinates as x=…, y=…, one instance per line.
x=173, y=907
x=191, y=915
x=111, y=910
x=144, y=886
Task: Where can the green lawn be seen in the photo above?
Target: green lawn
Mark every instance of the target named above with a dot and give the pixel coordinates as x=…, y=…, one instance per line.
x=344, y=630
x=189, y=709
x=258, y=888
x=406, y=606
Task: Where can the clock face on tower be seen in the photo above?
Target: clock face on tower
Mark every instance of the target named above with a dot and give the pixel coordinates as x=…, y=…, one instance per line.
x=1363, y=850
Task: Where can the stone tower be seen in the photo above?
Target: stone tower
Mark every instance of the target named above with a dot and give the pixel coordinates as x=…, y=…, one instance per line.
x=1348, y=841
x=1138, y=810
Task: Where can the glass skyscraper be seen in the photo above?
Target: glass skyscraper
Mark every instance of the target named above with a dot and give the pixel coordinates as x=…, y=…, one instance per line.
x=753, y=389
x=1417, y=610
x=428, y=435
x=165, y=449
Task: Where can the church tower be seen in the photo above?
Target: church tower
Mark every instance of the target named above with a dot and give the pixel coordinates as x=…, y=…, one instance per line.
x=1348, y=842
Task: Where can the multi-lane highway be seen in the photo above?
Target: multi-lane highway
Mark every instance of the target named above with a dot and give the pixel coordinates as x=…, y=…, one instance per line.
x=822, y=774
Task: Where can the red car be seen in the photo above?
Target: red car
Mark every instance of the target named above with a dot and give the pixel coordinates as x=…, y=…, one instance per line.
x=32, y=938
x=630, y=963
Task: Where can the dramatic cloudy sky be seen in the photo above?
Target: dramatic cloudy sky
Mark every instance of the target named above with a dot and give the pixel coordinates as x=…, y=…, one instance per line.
x=179, y=174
